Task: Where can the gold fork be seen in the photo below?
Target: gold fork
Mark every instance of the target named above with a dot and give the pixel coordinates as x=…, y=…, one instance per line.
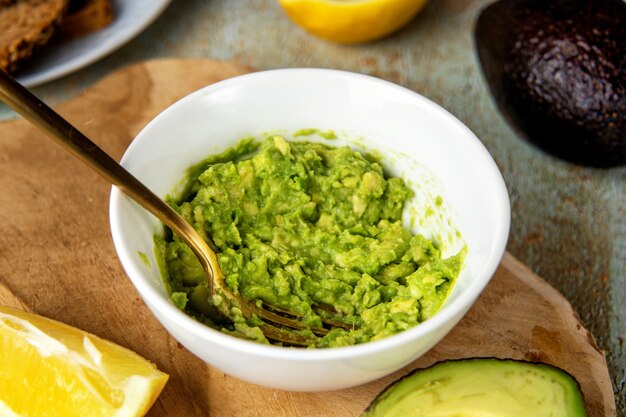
x=275, y=326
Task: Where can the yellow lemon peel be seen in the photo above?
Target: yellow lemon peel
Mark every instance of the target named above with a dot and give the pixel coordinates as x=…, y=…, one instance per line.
x=351, y=21
x=50, y=368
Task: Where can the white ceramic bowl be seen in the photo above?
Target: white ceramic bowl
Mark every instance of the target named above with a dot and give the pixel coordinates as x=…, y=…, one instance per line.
x=417, y=139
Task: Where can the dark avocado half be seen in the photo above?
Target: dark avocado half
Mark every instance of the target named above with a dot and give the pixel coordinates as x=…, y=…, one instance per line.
x=481, y=387
x=557, y=70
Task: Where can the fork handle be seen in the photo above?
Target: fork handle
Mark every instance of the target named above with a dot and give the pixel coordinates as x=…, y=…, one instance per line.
x=20, y=99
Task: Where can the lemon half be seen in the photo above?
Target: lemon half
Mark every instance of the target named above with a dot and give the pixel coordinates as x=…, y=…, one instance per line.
x=351, y=21
x=48, y=368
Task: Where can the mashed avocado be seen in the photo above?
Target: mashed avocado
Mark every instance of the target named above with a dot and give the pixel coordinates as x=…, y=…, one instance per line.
x=311, y=228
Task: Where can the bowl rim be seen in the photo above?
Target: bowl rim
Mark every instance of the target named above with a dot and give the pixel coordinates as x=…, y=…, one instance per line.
x=456, y=309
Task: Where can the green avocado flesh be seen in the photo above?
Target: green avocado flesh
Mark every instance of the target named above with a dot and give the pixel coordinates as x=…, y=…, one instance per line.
x=482, y=388
x=303, y=225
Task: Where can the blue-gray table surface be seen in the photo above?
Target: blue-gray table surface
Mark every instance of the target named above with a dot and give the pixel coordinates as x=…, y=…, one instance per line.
x=568, y=222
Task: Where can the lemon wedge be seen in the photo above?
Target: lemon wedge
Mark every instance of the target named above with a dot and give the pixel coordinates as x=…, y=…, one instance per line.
x=351, y=21
x=52, y=369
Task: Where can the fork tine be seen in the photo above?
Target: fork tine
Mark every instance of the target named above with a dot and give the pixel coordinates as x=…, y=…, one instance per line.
x=284, y=321
x=286, y=336
x=280, y=327
x=326, y=314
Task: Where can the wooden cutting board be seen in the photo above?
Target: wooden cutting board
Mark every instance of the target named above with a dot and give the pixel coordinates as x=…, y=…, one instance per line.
x=57, y=259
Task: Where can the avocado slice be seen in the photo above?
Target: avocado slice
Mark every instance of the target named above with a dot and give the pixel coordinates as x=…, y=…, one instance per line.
x=481, y=387
x=557, y=71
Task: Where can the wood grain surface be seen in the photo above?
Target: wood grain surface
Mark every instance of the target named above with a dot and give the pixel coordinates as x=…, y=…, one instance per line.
x=57, y=259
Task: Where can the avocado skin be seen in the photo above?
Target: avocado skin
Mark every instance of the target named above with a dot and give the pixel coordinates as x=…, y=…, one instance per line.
x=557, y=70
x=432, y=382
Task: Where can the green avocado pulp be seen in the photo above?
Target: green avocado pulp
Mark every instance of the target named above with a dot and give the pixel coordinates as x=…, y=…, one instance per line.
x=481, y=387
x=303, y=225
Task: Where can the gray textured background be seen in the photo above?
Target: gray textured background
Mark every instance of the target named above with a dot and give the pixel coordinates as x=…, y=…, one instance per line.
x=568, y=222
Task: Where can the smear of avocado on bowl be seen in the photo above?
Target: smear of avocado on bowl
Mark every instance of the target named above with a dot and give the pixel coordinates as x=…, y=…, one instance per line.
x=312, y=228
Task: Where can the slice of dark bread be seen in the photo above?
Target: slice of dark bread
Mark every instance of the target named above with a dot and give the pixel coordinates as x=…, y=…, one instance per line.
x=26, y=25
x=85, y=16
x=76, y=5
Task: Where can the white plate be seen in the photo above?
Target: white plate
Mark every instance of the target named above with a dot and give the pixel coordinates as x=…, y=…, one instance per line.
x=54, y=61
